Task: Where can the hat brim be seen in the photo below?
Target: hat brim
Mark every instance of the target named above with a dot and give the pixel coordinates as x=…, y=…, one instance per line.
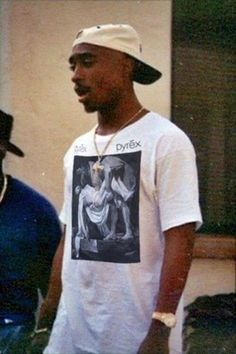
x=145, y=74
x=15, y=150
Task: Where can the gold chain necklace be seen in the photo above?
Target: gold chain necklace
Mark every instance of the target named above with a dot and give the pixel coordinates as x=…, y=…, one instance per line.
x=4, y=188
x=98, y=165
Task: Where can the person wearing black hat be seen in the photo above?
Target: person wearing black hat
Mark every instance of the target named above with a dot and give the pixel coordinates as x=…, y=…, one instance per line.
x=121, y=293
x=29, y=234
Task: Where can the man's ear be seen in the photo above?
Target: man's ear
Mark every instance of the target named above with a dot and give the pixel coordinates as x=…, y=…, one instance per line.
x=3, y=151
x=130, y=66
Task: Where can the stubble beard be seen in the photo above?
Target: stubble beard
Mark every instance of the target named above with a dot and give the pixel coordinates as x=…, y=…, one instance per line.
x=107, y=105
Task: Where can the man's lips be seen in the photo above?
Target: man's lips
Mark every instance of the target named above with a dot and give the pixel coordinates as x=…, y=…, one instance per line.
x=82, y=91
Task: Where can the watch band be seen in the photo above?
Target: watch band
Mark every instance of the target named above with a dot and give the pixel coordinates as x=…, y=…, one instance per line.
x=168, y=319
x=39, y=331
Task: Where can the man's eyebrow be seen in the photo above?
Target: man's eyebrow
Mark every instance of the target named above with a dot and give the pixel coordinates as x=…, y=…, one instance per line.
x=80, y=56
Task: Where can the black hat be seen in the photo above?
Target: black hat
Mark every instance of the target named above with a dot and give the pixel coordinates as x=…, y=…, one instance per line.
x=6, y=123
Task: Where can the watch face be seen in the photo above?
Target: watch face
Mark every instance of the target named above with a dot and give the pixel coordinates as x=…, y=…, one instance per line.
x=170, y=320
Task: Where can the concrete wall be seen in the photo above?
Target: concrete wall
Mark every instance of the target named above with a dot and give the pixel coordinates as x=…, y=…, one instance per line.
x=36, y=38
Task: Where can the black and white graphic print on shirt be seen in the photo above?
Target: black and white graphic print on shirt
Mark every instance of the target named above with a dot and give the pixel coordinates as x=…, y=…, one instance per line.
x=105, y=208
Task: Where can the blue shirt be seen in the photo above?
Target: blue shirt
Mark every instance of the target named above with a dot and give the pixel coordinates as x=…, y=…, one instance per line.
x=29, y=235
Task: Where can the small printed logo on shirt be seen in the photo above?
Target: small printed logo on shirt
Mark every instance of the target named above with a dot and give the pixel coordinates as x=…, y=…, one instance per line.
x=80, y=148
x=132, y=144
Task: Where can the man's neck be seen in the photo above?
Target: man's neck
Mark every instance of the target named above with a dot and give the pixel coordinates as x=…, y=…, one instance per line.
x=112, y=118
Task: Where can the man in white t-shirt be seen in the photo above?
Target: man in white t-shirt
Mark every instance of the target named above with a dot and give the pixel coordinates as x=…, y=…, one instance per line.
x=130, y=210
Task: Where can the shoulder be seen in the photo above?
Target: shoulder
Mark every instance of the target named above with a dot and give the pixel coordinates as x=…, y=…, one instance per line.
x=28, y=194
x=164, y=126
x=169, y=137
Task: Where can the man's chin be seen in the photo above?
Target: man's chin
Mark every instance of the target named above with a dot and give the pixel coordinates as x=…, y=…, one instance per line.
x=90, y=108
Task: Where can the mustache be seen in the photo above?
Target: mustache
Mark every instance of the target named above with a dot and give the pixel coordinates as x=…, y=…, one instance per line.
x=81, y=89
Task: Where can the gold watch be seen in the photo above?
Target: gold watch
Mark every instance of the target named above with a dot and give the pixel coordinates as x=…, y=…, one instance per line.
x=168, y=319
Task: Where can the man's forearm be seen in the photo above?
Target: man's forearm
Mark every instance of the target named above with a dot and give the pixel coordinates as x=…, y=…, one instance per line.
x=179, y=242
x=50, y=304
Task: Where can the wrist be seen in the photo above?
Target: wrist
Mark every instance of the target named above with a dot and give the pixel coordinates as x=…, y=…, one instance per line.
x=168, y=319
x=39, y=331
x=157, y=329
x=47, y=315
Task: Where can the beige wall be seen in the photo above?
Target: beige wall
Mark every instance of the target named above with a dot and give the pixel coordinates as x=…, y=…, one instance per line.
x=35, y=80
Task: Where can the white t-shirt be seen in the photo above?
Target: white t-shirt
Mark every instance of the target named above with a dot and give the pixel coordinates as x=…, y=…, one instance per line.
x=115, y=218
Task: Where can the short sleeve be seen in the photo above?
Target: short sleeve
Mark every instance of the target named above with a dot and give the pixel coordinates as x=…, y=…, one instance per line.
x=177, y=185
x=67, y=187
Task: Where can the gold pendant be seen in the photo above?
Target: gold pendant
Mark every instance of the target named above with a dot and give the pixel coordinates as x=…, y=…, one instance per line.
x=98, y=167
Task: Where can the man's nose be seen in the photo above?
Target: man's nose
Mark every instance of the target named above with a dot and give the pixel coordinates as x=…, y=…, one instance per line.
x=78, y=74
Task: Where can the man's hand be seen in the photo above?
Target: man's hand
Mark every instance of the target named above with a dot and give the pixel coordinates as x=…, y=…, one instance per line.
x=156, y=341
x=39, y=340
x=38, y=343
